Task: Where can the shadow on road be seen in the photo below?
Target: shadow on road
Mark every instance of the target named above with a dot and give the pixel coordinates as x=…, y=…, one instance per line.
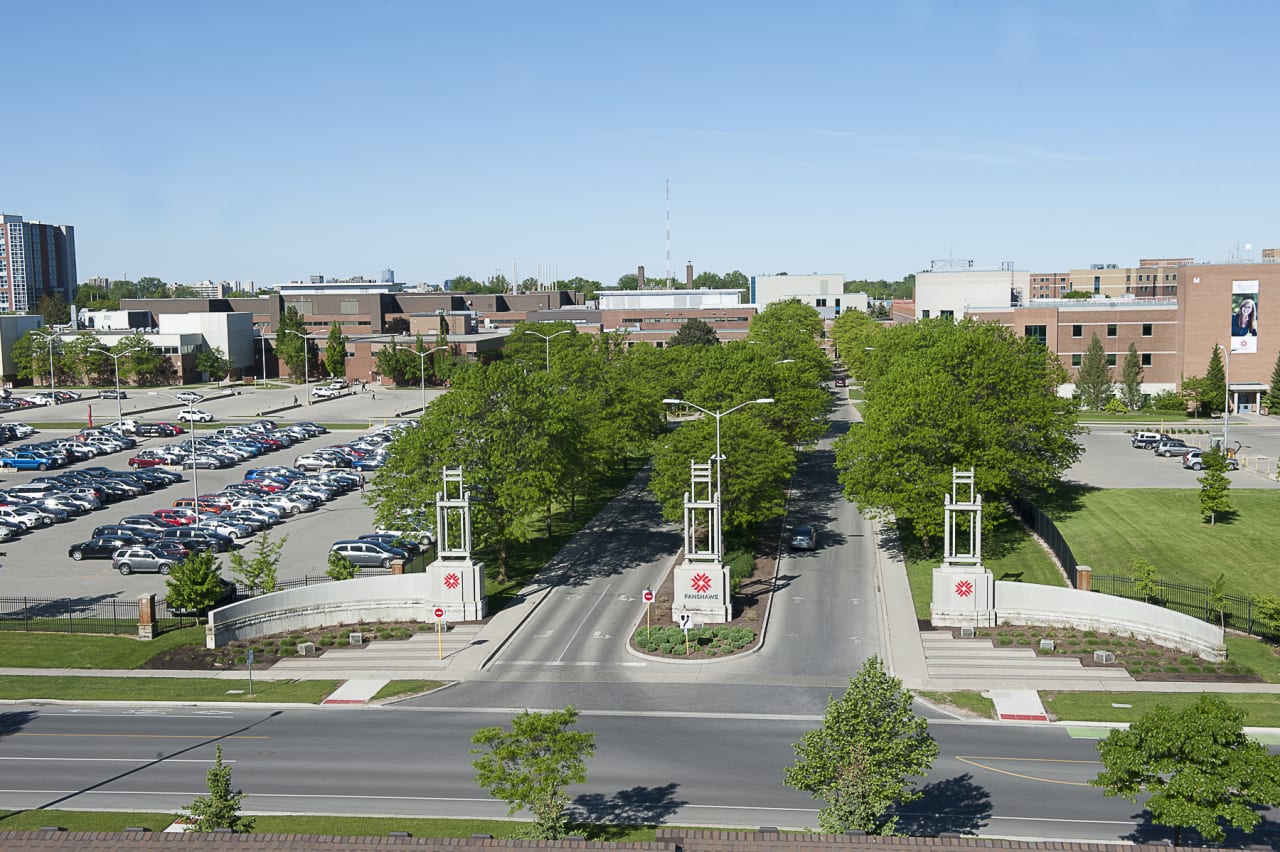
x=13, y=721
x=954, y=805
x=625, y=808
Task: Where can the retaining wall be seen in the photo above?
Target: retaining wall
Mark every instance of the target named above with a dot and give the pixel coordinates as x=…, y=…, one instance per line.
x=1032, y=604
x=403, y=597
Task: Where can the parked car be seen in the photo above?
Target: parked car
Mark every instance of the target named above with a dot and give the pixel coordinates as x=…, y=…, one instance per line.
x=1194, y=460
x=114, y=394
x=197, y=415
x=803, y=538
x=1172, y=447
x=188, y=396
x=41, y=399
x=325, y=392
x=103, y=547
x=126, y=560
x=29, y=461
x=368, y=554
x=1147, y=440
x=841, y=382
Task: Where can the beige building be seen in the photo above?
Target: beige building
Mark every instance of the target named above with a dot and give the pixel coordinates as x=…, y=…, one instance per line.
x=1151, y=278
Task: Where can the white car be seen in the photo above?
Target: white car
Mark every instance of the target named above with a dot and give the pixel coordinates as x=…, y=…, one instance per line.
x=41, y=399
x=188, y=396
x=127, y=427
x=196, y=415
x=423, y=536
x=22, y=430
x=326, y=392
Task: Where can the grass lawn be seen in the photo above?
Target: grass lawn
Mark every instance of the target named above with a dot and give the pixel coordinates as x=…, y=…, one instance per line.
x=406, y=687
x=1259, y=657
x=84, y=688
x=1108, y=528
x=975, y=703
x=314, y=825
x=1009, y=551
x=84, y=651
x=1262, y=711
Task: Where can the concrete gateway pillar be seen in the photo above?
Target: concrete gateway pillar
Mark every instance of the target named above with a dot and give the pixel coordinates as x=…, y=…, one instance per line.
x=457, y=582
x=702, y=578
x=963, y=590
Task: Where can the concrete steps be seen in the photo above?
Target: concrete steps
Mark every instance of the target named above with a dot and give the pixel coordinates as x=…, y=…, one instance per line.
x=418, y=656
x=978, y=664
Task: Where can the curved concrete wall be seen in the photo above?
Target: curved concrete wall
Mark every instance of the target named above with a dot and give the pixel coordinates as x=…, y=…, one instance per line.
x=402, y=597
x=1028, y=603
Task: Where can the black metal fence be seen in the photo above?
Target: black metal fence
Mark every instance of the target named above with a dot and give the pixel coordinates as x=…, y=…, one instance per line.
x=1048, y=533
x=1238, y=611
x=70, y=615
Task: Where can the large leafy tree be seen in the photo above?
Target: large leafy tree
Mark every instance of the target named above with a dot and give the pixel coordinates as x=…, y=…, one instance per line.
x=194, y=583
x=396, y=362
x=54, y=308
x=1196, y=768
x=529, y=766
x=214, y=361
x=335, y=351
x=854, y=334
x=1093, y=380
x=146, y=364
x=943, y=395
x=694, y=332
x=1131, y=379
x=295, y=351
x=862, y=758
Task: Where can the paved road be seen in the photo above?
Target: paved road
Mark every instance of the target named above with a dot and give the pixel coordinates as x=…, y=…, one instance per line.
x=690, y=769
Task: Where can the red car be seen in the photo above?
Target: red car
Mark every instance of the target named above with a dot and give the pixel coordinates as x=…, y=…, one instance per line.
x=145, y=461
x=175, y=517
x=177, y=430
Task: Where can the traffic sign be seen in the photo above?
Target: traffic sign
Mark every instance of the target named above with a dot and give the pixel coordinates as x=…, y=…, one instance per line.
x=648, y=595
x=248, y=656
x=685, y=619
x=439, y=612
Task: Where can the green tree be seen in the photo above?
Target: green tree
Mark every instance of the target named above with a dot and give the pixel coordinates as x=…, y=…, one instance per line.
x=26, y=353
x=1267, y=609
x=1272, y=397
x=261, y=570
x=335, y=351
x=862, y=758
x=1215, y=487
x=854, y=334
x=942, y=395
x=1196, y=768
x=630, y=281
x=95, y=298
x=1213, y=392
x=194, y=583
x=1217, y=598
x=146, y=364
x=150, y=287
x=1146, y=579
x=694, y=332
x=1094, y=382
x=395, y=362
x=54, y=308
x=221, y=808
x=213, y=361
x=1131, y=379
x=341, y=567
x=530, y=766
x=465, y=284
x=182, y=291
x=295, y=351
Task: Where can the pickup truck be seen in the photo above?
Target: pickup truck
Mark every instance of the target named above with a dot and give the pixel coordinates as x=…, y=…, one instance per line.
x=28, y=461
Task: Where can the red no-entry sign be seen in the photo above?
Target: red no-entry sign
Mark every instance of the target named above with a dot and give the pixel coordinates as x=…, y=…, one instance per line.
x=648, y=595
x=439, y=612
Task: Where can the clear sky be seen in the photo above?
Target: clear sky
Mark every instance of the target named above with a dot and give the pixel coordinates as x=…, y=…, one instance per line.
x=270, y=140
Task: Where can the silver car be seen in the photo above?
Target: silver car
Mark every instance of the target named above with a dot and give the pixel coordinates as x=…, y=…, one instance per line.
x=126, y=560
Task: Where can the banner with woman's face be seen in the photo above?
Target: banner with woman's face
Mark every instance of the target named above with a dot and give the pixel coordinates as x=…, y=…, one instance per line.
x=1244, y=316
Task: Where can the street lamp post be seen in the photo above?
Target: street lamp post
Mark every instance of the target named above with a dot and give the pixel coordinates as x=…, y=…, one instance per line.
x=718, y=415
x=547, y=340
x=306, y=360
x=422, y=372
x=49, y=339
x=116, y=358
x=191, y=422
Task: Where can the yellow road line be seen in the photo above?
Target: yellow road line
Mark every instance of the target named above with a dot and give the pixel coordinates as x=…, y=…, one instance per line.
x=976, y=761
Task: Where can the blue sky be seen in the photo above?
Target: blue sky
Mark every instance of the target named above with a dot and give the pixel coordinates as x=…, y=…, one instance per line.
x=273, y=140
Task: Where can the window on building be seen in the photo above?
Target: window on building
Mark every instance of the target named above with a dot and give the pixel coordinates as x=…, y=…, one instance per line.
x=924, y=314
x=1111, y=360
x=1111, y=329
x=303, y=307
x=1146, y=359
x=1146, y=329
x=820, y=303
x=1077, y=330
x=1075, y=359
x=947, y=314
x=1037, y=332
x=349, y=306
x=1097, y=284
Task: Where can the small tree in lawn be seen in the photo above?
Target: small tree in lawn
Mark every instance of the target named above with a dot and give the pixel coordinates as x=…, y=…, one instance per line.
x=1196, y=767
x=1131, y=379
x=1145, y=578
x=194, y=583
x=1217, y=598
x=341, y=567
x=860, y=760
x=259, y=571
x=1093, y=380
x=221, y=808
x=1215, y=488
x=530, y=766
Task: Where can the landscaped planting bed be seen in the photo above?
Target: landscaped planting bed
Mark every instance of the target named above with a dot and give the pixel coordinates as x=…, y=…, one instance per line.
x=718, y=641
x=269, y=649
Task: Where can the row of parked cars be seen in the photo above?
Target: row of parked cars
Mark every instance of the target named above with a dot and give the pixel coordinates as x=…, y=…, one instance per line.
x=1168, y=446
x=47, y=455
x=11, y=403
x=227, y=446
x=367, y=453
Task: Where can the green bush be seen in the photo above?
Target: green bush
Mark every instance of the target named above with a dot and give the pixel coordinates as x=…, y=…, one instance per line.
x=289, y=642
x=326, y=641
x=1005, y=640
x=1168, y=401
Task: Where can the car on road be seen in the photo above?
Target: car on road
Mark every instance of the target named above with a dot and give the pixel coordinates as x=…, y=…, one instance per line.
x=1194, y=460
x=325, y=392
x=103, y=547
x=841, y=382
x=804, y=537
x=114, y=394
x=368, y=554
x=198, y=415
x=1172, y=447
x=188, y=396
x=127, y=560
x=1147, y=440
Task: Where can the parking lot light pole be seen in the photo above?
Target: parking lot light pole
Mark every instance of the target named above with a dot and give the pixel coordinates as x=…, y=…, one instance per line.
x=191, y=421
x=547, y=340
x=306, y=358
x=719, y=457
x=116, y=358
x=422, y=372
x=48, y=340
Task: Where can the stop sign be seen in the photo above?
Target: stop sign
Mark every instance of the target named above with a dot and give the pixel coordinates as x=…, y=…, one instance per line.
x=439, y=612
x=648, y=595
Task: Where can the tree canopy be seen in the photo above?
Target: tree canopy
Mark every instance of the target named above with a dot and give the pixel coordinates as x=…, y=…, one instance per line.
x=694, y=332
x=1093, y=380
x=294, y=350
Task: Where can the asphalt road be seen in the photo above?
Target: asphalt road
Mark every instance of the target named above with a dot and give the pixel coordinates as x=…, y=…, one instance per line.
x=689, y=769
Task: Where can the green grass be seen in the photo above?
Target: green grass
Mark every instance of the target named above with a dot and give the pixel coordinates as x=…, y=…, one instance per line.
x=325, y=826
x=1009, y=551
x=87, y=688
x=81, y=651
x=1257, y=656
x=977, y=704
x=406, y=687
x=1108, y=528
x=1153, y=419
x=1260, y=710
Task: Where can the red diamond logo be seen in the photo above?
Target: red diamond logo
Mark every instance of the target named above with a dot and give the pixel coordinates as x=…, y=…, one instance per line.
x=964, y=588
x=701, y=583
x=452, y=581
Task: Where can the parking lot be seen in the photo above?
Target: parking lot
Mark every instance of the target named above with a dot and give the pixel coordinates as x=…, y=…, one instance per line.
x=37, y=565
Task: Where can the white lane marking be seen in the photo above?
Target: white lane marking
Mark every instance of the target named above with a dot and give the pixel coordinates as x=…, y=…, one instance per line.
x=583, y=623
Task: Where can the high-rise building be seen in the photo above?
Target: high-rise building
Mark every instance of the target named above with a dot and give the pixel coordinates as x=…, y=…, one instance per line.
x=35, y=260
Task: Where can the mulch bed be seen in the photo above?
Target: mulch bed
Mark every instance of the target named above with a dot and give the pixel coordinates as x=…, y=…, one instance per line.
x=1143, y=660
x=270, y=649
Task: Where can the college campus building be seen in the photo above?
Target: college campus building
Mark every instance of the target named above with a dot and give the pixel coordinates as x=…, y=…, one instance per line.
x=36, y=260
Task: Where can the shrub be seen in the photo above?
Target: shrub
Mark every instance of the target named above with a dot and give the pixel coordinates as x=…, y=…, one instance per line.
x=289, y=642
x=326, y=641
x=1005, y=640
